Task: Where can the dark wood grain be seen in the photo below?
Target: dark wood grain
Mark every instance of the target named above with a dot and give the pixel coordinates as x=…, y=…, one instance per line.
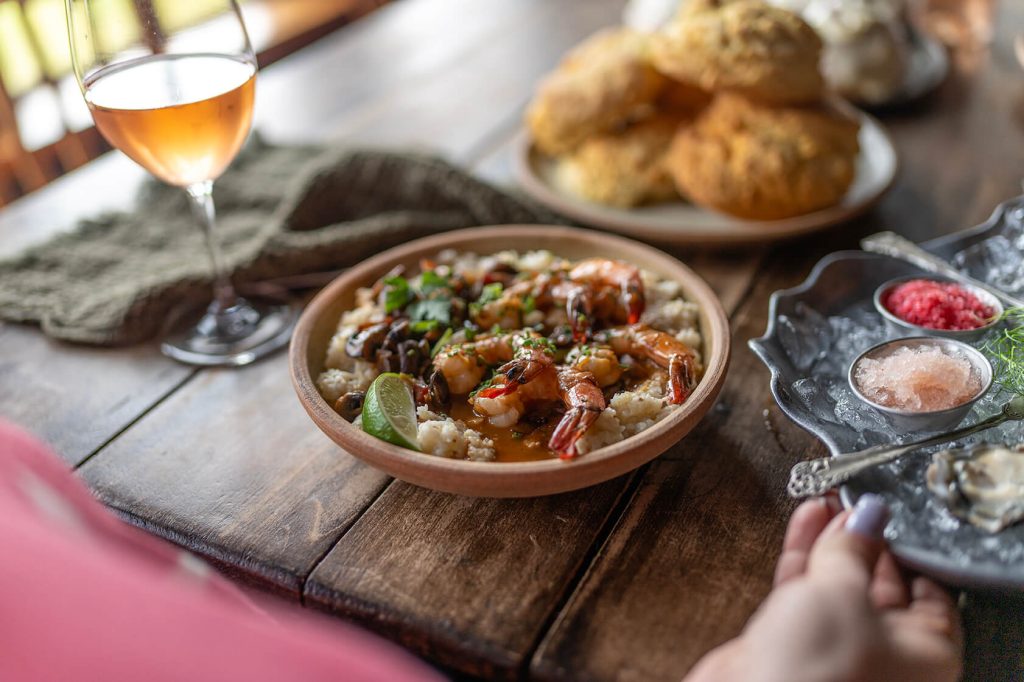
x=77, y=398
x=466, y=582
x=226, y=470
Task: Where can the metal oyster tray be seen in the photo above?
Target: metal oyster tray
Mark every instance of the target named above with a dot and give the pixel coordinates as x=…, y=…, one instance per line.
x=814, y=332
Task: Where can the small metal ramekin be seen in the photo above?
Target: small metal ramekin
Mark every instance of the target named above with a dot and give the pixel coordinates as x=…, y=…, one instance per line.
x=939, y=420
x=903, y=328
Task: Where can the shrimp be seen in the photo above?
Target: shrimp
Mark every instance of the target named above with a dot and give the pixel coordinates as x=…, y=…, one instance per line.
x=595, y=289
x=506, y=400
x=463, y=365
x=601, y=289
x=601, y=361
x=584, y=403
x=663, y=349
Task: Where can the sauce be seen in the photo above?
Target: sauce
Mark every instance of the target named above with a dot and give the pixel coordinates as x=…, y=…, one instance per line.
x=530, y=446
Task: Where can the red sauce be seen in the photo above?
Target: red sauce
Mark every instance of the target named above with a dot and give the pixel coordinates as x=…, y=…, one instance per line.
x=937, y=305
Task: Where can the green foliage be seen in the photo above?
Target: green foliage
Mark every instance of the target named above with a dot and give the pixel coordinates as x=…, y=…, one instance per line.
x=1006, y=351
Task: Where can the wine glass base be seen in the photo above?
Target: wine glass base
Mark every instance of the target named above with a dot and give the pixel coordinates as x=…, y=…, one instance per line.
x=235, y=336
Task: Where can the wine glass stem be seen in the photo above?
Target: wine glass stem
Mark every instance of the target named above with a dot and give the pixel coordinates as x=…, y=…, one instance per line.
x=201, y=197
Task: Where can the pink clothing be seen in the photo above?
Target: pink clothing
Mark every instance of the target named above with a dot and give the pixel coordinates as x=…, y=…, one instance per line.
x=86, y=597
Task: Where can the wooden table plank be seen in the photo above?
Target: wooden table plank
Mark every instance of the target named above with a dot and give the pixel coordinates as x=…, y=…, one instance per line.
x=77, y=398
x=393, y=53
x=228, y=467
x=467, y=582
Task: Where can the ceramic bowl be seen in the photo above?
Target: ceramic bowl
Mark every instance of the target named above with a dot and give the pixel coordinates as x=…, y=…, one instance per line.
x=513, y=479
x=937, y=420
x=901, y=327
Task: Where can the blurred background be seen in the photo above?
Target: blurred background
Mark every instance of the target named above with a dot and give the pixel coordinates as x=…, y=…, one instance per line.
x=45, y=127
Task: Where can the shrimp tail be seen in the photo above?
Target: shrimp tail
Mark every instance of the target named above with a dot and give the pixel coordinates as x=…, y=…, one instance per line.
x=578, y=308
x=633, y=295
x=681, y=377
x=571, y=428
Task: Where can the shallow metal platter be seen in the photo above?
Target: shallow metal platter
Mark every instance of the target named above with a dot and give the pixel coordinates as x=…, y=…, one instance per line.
x=817, y=328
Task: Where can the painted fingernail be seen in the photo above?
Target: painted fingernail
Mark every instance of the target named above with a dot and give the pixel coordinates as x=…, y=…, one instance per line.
x=869, y=517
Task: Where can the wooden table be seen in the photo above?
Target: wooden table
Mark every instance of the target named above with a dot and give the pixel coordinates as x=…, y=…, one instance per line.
x=631, y=580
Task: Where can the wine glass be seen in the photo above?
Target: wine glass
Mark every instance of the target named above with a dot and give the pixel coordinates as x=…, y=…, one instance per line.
x=180, y=104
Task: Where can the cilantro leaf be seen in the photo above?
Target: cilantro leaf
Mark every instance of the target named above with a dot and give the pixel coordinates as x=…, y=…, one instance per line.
x=397, y=293
x=491, y=292
x=430, y=281
x=437, y=309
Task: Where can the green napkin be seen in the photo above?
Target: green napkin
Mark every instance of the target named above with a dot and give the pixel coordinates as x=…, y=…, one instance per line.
x=282, y=211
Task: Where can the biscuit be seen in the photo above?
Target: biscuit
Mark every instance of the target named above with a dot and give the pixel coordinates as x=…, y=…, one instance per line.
x=601, y=84
x=760, y=51
x=765, y=163
x=682, y=99
x=622, y=169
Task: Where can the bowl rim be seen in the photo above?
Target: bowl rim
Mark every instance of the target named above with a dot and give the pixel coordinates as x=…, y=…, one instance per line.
x=984, y=364
x=955, y=334
x=716, y=351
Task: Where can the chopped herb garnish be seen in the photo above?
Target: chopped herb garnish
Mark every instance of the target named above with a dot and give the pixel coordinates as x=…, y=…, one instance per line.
x=470, y=331
x=529, y=305
x=546, y=345
x=517, y=435
x=436, y=309
x=445, y=339
x=491, y=292
x=424, y=326
x=430, y=281
x=397, y=293
x=496, y=329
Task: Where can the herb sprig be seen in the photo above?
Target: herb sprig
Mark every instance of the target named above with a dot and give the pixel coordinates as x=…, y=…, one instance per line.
x=1006, y=350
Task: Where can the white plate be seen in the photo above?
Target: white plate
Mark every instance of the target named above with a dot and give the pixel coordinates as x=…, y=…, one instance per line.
x=683, y=223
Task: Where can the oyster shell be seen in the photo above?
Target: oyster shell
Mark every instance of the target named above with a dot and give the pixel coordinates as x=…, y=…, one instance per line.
x=984, y=484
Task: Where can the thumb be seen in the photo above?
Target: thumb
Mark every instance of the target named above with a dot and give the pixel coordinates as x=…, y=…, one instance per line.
x=849, y=548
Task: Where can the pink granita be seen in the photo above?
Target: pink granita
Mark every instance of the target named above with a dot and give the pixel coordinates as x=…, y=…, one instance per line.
x=918, y=379
x=937, y=305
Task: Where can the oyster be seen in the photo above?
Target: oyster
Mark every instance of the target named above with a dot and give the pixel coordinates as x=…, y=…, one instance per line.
x=984, y=485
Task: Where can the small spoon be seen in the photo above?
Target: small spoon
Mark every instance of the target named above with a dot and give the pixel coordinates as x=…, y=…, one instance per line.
x=892, y=244
x=818, y=476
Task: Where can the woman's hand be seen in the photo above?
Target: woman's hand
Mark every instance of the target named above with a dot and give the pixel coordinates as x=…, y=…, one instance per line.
x=841, y=610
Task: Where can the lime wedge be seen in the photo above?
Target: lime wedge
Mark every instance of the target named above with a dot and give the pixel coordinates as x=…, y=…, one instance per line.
x=389, y=412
